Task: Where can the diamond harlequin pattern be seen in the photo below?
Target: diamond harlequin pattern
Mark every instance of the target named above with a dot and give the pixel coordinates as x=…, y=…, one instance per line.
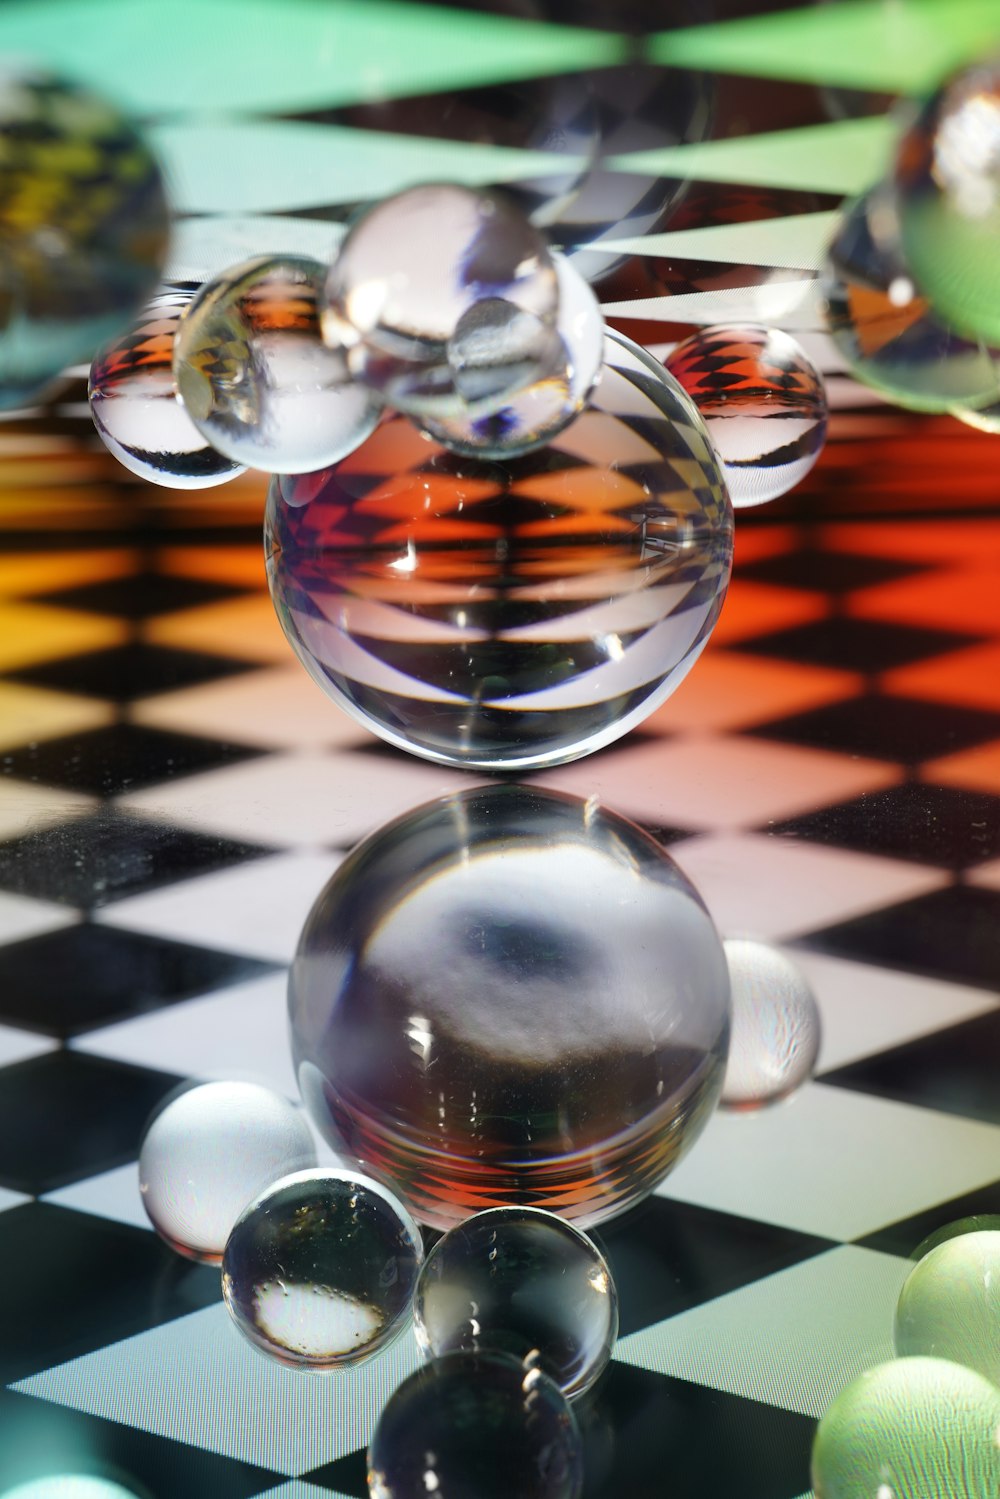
x=175, y=791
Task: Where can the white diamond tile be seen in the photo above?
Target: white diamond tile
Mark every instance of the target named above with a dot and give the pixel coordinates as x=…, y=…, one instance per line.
x=26, y=808
x=833, y=1162
x=770, y=887
x=793, y=1340
x=865, y=1010
x=146, y=1382
x=9, y=1199
x=257, y=908
x=302, y=800
x=21, y=917
x=113, y=1194
x=17, y=1045
x=281, y=708
x=718, y=783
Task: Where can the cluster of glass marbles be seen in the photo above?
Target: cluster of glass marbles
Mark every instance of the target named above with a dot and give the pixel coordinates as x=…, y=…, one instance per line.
x=927, y=1422
x=912, y=279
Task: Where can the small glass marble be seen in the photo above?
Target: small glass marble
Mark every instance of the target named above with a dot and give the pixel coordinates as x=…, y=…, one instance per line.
x=947, y=198
x=83, y=227
x=136, y=410
x=524, y=1282
x=763, y=401
x=476, y=1424
x=775, y=1026
x=912, y=1429
x=949, y=1306
x=886, y=329
x=538, y=403
x=411, y=267
x=256, y=377
x=319, y=1270
x=510, y=997
x=207, y=1152
x=510, y=615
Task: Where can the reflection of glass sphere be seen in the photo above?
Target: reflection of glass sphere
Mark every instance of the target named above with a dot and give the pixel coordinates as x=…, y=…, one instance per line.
x=515, y=614
x=543, y=400
x=256, y=377
x=949, y=1306
x=83, y=228
x=947, y=196
x=207, y=1152
x=510, y=997
x=476, y=1424
x=408, y=270
x=136, y=410
x=915, y=1428
x=775, y=1026
x=523, y=1282
x=886, y=331
x=319, y=1271
x=763, y=401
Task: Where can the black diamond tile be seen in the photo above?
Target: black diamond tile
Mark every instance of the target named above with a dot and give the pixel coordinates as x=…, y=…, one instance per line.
x=886, y=728
x=907, y=1234
x=65, y=1115
x=647, y=1435
x=861, y=645
x=47, y=1439
x=666, y=835
x=124, y=757
x=83, y=1282
x=127, y=672
x=142, y=595
x=940, y=825
x=90, y=861
x=954, y=1070
x=951, y=934
x=668, y=1256
x=828, y=572
x=67, y=982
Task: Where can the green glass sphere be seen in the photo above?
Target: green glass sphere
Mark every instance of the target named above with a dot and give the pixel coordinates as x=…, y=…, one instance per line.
x=949, y=1306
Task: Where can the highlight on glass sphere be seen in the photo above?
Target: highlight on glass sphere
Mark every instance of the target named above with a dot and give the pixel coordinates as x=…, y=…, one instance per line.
x=83, y=227
x=319, y=1270
x=408, y=270
x=476, y=1424
x=256, y=377
x=947, y=198
x=556, y=371
x=975, y=1223
x=885, y=328
x=949, y=1306
x=207, y=1152
x=515, y=616
x=524, y=1282
x=775, y=1026
x=136, y=409
x=510, y=997
x=763, y=402
x=911, y=1428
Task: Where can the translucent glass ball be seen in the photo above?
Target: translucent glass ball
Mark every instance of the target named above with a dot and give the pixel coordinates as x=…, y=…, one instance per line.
x=319, y=1270
x=524, y=1282
x=913, y=1428
x=136, y=409
x=517, y=614
x=775, y=1035
x=476, y=1425
x=510, y=997
x=256, y=377
x=83, y=227
x=210, y=1150
x=522, y=380
x=763, y=401
x=411, y=267
x=885, y=328
x=949, y=1306
x=947, y=197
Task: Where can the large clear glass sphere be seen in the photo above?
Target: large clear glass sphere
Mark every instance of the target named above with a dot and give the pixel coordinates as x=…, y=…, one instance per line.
x=510, y=614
